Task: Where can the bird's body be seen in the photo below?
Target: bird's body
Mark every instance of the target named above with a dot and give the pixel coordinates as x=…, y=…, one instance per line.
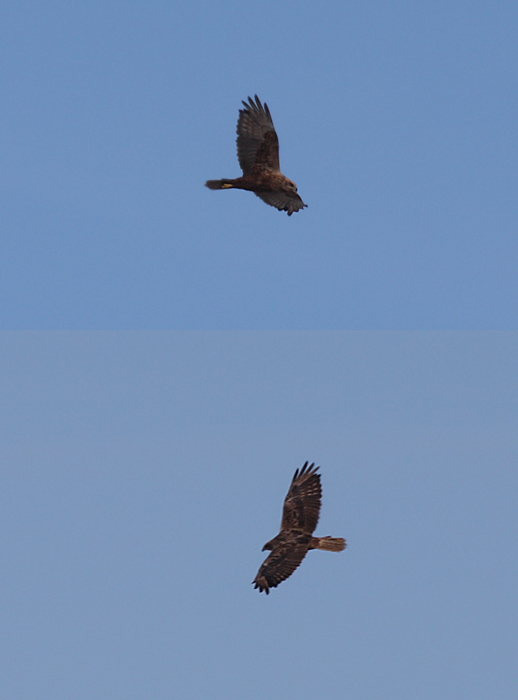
x=258, y=154
x=299, y=520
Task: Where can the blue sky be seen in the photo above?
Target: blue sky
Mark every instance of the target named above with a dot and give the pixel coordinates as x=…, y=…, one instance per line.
x=397, y=120
x=143, y=472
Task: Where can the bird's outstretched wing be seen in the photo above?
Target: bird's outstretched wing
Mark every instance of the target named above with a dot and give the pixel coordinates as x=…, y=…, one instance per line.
x=283, y=201
x=280, y=564
x=302, y=504
x=257, y=142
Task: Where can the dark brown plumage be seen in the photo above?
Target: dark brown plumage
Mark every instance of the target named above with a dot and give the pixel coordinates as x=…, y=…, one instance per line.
x=299, y=520
x=258, y=154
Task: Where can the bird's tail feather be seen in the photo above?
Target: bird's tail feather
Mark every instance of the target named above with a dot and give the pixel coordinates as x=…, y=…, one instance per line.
x=331, y=544
x=218, y=184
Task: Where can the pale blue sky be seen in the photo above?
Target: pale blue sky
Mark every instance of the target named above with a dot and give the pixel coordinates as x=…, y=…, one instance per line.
x=397, y=120
x=141, y=474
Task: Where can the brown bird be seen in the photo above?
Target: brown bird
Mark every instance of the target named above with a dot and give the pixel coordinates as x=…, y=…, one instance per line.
x=258, y=154
x=299, y=520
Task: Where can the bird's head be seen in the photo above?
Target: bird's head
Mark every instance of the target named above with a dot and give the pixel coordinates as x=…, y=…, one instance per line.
x=267, y=546
x=292, y=185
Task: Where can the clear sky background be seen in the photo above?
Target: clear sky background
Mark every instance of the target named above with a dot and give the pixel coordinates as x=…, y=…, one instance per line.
x=397, y=119
x=141, y=475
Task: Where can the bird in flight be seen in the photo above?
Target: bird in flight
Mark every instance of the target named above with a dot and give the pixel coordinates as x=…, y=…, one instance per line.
x=299, y=520
x=258, y=154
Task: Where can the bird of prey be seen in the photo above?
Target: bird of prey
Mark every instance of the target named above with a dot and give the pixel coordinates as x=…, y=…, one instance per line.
x=299, y=520
x=258, y=154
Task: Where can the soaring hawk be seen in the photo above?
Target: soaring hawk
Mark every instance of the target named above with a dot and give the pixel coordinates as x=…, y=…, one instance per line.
x=258, y=154
x=299, y=520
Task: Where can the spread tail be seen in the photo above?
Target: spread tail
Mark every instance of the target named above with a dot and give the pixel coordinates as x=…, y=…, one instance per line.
x=218, y=184
x=330, y=544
